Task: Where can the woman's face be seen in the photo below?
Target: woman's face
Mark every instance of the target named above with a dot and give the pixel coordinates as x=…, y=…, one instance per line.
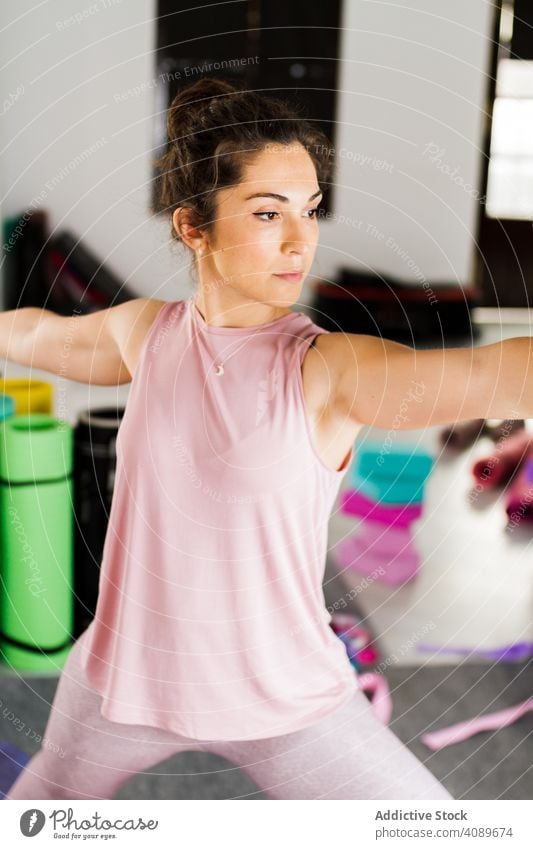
x=256, y=239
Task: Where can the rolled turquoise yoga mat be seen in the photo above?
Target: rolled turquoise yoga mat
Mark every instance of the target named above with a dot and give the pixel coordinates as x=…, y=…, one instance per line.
x=391, y=491
x=404, y=460
x=7, y=407
x=36, y=539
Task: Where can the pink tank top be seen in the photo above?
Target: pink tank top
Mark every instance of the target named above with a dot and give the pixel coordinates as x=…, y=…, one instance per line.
x=211, y=620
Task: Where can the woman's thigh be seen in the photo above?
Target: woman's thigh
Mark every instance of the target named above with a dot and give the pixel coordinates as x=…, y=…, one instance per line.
x=83, y=754
x=348, y=755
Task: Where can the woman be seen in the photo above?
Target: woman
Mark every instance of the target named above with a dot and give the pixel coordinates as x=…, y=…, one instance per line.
x=211, y=632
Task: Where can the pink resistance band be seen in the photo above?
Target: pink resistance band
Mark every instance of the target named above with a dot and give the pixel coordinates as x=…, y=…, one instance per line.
x=376, y=686
x=464, y=730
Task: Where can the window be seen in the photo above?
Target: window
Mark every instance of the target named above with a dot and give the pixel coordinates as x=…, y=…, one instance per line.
x=510, y=177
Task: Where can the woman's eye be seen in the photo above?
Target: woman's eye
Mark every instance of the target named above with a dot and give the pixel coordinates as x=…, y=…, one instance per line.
x=266, y=213
x=314, y=210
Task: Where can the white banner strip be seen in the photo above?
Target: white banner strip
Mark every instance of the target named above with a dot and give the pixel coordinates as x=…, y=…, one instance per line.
x=242, y=824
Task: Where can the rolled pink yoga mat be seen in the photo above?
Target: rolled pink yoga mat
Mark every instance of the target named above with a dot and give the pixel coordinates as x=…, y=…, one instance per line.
x=359, y=555
x=499, y=466
x=519, y=504
x=354, y=503
x=385, y=539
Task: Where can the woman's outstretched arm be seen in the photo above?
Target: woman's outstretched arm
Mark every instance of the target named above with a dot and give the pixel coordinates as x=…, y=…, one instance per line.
x=98, y=348
x=386, y=384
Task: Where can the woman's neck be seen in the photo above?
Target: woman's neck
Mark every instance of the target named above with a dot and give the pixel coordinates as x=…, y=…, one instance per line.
x=218, y=314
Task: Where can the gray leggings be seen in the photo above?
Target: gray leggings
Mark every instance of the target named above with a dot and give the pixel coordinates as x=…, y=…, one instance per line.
x=348, y=755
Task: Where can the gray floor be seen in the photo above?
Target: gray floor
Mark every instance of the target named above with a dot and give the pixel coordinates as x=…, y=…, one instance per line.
x=492, y=765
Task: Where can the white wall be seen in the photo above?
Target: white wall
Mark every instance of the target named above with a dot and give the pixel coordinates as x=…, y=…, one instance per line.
x=69, y=131
x=412, y=74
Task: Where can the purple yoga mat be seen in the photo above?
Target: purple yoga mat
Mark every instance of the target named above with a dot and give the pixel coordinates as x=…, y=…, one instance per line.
x=12, y=762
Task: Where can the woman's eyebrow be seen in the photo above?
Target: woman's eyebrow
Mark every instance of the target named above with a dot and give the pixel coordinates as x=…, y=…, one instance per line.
x=277, y=197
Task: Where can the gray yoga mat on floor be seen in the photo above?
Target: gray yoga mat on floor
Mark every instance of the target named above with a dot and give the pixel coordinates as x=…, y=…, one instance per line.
x=491, y=765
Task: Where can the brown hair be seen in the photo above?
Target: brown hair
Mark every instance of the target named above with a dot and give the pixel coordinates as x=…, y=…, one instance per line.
x=214, y=129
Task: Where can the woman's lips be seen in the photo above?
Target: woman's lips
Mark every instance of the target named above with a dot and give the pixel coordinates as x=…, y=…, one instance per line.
x=291, y=277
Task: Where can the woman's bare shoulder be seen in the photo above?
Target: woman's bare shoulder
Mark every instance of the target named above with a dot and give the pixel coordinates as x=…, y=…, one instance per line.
x=140, y=317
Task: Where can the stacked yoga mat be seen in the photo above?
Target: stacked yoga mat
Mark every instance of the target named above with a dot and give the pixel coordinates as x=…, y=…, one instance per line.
x=509, y=464
x=35, y=529
x=51, y=509
x=94, y=478
x=386, y=492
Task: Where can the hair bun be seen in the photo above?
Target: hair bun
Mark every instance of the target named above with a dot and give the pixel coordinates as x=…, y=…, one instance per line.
x=200, y=94
x=197, y=105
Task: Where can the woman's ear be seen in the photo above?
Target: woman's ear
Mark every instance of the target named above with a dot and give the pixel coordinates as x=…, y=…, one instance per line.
x=185, y=223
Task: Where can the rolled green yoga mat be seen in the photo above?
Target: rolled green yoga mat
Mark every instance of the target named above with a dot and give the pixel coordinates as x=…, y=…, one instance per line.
x=36, y=596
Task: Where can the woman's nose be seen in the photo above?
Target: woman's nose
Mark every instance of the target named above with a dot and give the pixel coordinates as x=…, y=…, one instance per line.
x=296, y=239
